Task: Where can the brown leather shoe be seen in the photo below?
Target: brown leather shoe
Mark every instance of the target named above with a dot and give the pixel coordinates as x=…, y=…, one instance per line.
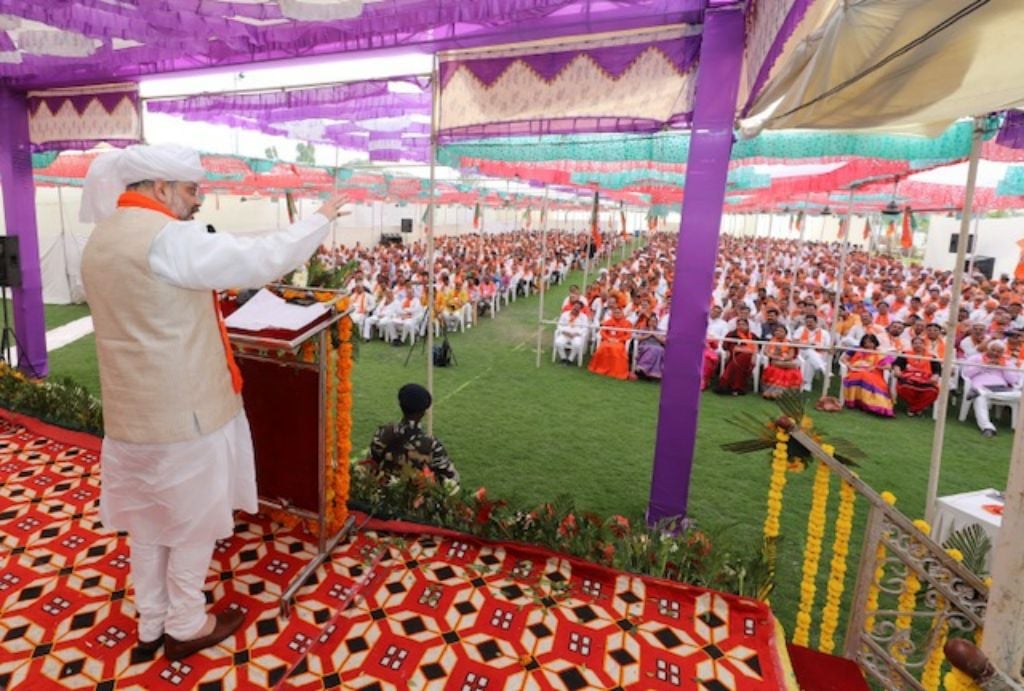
x=149, y=647
x=227, y=623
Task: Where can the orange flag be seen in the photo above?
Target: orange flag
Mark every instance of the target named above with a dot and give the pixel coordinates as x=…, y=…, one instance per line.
x=1018, y=273
x=595, y=232
x=907, y=239
x=890, y=229
x=867, y=229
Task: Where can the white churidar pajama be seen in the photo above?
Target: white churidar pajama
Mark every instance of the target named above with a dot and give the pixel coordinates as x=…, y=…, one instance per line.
x=176, y=500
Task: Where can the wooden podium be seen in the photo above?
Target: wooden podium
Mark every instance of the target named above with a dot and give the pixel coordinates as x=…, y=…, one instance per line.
x=284, y=395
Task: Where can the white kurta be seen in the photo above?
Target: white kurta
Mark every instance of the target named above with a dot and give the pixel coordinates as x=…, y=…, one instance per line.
x=184, y=493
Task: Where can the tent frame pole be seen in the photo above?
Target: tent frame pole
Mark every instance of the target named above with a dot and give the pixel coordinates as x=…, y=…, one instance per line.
x=840, y=274
x=543, y=271
x=435, y=104
x=935, y=467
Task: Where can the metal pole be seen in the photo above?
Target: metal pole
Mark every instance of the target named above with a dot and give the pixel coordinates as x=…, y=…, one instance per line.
x=435, y=105
x=543, y=269
x=974, y=250
x=771, y=218
x=954, y=308
x=834, y=331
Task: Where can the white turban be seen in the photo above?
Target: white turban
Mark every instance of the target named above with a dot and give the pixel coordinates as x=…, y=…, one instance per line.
x=111, y=172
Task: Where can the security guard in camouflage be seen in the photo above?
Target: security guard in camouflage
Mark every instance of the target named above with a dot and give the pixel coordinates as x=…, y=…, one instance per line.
x=399, y=443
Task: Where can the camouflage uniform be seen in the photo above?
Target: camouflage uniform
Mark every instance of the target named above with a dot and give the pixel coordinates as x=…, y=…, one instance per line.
x=404, y=442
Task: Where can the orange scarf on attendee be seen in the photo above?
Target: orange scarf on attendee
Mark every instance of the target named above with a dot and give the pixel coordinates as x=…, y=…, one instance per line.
x=778, y=350
x=141, y=201
x=817, y=336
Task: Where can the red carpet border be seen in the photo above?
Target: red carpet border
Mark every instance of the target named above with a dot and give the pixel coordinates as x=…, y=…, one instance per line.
x=436, y=611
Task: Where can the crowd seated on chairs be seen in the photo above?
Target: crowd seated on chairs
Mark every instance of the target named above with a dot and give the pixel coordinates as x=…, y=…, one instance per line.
x=773, y=326
x=475, y=274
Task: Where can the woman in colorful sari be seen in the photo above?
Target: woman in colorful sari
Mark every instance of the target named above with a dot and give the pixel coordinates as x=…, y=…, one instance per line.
x=611, y=358
x=650, y=348
x=864, y=385
x=917, y=377
x=742, y=349
x=783, y=371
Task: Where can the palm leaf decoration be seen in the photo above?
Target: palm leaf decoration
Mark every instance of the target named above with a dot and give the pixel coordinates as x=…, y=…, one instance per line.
x=792, y=405
x=974, y=544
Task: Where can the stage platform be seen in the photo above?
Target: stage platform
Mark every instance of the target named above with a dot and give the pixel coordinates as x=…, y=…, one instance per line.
x=398, y=606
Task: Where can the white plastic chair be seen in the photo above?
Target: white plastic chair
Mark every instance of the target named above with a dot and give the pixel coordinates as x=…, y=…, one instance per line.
x=967, y=403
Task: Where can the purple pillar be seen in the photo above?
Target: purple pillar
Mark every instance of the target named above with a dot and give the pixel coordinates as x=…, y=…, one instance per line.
x=20, y=220
x=721, y=57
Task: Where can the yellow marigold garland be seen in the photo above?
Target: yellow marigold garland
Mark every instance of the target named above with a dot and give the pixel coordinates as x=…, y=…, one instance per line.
x=932, y=672
x=812, y=551
x=837, y=575
x=871, y=605
x=780, y=462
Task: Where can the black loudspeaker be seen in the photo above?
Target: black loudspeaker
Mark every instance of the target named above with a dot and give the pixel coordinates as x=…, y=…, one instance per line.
x=406, y=225
x=986, y=266
x=10, y=262
x=955, y=238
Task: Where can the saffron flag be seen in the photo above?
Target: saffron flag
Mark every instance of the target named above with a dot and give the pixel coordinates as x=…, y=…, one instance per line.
x=800, y=221
x=595, y=231
x=476, y=216
x=1018, y=273
x=622, y=221
x=907, y=238
x=890, y=229
x=867, y=229
x=842, y=228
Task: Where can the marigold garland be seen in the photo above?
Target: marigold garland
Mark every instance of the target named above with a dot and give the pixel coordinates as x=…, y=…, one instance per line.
x=780, y=463
x=871, y=604
x=837, y=575
x=932, y=671
x=812, y=552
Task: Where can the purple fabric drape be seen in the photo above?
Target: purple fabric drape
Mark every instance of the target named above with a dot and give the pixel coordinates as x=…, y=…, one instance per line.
x=20, y=220
x=707, y=175
x=1011, y=133
x=177, y=36
x=614, y=60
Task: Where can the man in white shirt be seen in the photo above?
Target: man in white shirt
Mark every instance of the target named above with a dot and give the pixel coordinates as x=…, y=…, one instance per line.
x=815, y=358
x=385, y=310
x=177, y=455
x=571, y=333
x=362, y=306
x=401, y=324
x=717, y=327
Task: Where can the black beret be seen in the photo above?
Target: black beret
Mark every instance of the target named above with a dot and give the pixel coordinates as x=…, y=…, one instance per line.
x=413, y=398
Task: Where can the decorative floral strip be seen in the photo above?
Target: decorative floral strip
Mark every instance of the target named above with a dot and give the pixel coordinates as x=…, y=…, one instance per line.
x=62, y=402
x=837, y=575
x=932, y=672
x=812, y=551
x=871, y=605
x=780, y=463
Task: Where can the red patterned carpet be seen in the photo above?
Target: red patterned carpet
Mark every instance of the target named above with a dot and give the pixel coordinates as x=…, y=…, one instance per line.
x=390, y=611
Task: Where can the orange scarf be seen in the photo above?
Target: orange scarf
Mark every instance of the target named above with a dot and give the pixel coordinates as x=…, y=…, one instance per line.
x=817, y=337
x=141, y=201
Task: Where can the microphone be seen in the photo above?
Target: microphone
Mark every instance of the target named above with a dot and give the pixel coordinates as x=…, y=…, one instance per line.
x=210, y=228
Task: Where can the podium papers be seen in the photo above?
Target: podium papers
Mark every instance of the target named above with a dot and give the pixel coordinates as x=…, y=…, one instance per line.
x=265, y=310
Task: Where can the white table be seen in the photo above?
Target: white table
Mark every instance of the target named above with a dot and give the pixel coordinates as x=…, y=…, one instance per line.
x=961, y=510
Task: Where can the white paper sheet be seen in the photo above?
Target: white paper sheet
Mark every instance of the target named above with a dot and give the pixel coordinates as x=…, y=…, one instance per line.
x=268, y=311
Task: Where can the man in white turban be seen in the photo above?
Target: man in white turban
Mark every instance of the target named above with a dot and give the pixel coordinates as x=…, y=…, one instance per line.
x=177, y=455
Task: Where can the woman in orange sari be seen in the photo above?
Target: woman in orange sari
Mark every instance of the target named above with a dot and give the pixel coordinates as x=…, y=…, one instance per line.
x=917, y=377
x=611, y=359
x=783, y=371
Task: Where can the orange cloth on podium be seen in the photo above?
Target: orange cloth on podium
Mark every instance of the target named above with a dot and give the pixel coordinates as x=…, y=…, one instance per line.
x=611, y=359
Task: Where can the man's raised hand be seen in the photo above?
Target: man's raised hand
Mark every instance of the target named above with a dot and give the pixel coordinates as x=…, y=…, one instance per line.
x=332, y=207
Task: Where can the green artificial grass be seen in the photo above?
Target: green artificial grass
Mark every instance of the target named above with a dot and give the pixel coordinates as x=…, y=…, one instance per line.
x=531, y=434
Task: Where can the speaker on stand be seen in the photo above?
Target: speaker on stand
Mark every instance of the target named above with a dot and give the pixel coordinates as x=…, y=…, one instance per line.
x=10, y=277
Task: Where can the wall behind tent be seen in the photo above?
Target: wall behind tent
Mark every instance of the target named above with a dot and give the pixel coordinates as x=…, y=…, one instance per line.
x=996, y=237
x=817, y=228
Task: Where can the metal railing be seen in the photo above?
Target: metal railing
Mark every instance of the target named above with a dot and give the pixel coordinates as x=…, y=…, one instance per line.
x=910, y=596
